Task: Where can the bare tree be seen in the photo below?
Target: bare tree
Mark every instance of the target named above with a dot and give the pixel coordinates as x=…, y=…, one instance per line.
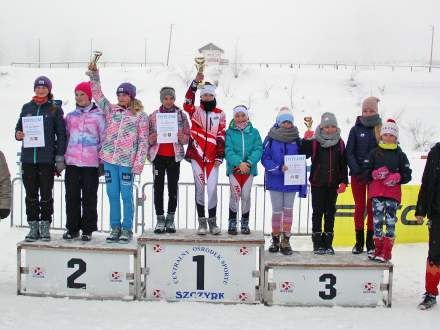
x=423, y=137
x=236, y=66
x=226, y=89
x=186, y=74
x=267, y=89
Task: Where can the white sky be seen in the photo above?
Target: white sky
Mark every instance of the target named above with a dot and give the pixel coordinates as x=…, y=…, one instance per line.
x=274, y=30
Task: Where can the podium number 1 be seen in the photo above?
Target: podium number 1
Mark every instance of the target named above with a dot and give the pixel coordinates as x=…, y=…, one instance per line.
x=331, y=293
x=81, y=270
x=200, y=260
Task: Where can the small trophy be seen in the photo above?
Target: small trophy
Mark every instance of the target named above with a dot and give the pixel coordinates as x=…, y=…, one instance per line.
x=308, y=121
x=95, y=58
x=200, y=65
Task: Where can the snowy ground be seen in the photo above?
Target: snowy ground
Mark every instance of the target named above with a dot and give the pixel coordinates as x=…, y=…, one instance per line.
x=19, y=312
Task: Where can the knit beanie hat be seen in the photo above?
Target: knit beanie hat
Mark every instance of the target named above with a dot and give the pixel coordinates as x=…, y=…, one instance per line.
x=284, y=115
x=128, y=89
x=84, y=87
x=371, y=103
x=43, y=81
x=208, y=89
x=328, y=119
x=167, y=91
x=390, y=127
x=241, y=108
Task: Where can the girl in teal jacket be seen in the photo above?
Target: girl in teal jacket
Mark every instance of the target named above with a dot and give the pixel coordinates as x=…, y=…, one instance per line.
x=243, y=151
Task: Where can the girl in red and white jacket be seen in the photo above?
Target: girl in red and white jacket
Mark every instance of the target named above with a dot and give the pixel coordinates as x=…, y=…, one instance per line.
x=388, y=168
x=206, y=150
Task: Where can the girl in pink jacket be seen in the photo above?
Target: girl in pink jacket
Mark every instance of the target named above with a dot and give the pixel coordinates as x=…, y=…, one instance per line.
x=124, y=151
x=85, y=128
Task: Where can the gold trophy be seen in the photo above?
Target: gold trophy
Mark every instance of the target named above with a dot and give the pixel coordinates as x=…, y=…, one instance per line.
x=308, y=121
x=95, y=58
x=200, y=65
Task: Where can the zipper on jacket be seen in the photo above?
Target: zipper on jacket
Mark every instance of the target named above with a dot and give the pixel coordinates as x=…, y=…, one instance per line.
x=242, y=142
x=206, y=136
x=330, y=176
x=35, y=148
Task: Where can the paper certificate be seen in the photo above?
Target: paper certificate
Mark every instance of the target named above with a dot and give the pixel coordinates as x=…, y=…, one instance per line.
x=166, y=127
x=296, y=173
x=33, y=129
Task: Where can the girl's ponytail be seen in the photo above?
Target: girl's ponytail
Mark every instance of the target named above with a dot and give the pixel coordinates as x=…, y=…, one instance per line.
x=136, y=106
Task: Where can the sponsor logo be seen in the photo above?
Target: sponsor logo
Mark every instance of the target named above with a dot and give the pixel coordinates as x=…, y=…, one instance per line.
x=244, y=250
x=207, y=295
x=116, y=277
x=157, y=294
x=287, y=287
x=157, y=248
x=243, y=296
x=38, y=272
x=369, y=287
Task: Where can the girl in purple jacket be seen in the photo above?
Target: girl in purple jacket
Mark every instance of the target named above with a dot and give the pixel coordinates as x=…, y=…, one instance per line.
x=283, y=139
x=85, y=133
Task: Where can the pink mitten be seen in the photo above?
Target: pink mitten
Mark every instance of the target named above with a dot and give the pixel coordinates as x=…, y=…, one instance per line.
x=308, y=135
x=380, y=173
x=392, y=179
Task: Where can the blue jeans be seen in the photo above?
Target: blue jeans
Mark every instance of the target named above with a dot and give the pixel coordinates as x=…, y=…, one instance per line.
x=119, y=182
x=384, y=208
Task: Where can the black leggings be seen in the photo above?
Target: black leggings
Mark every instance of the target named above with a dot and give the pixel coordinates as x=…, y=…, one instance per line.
x=323, y=204
x=168, y=165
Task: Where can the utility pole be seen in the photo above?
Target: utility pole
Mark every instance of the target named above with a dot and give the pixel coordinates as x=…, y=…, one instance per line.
x=432, y=48
x=169, y=44
x=145, y=52
x=39, y=53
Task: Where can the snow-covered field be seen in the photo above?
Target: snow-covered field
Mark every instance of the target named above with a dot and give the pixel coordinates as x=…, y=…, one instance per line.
x=410, y=97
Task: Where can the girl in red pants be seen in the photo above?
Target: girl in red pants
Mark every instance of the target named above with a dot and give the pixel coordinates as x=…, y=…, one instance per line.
x=363, y=138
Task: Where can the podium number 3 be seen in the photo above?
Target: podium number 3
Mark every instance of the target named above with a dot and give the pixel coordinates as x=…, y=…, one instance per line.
x=200, y=260
x=330, y=290
x=81, y=270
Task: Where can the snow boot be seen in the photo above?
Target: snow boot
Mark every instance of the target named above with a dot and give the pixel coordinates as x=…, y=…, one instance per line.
x=86, y=237
x=428, y=302
x=386, y=250
x=169, y=223
x=69, y=235
x=232, y=227
x=245, y=230
x=369, y=242
x=378, y=243
x=114, y=235
x=318, y=247
x=213, y=228
x=358, y=248
x=126, y=236
x=285, y=247
x=160, y=225
x=45, y=230
x=328, y=243
x=34, y=232
x=203, y=226
x=275, y=245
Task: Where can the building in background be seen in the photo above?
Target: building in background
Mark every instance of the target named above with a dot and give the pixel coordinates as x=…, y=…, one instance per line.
x=213, y=54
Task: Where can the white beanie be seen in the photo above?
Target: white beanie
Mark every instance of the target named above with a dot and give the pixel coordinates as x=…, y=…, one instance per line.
x=390, y=127
x=241, y=108
x=208, y=89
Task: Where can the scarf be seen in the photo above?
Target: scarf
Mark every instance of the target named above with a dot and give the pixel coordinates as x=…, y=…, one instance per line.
x=286, y=135
x=325, y=140
x=388, y=146
x=40, y=100
x=242, y=125
x=208, y=105
x=371, y=121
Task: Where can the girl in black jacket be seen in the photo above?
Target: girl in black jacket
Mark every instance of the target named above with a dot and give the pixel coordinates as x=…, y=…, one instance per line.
x=40, y=160
x=328, y=178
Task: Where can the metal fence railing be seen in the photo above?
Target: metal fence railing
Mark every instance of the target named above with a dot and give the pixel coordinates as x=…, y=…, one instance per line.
x=186, y=215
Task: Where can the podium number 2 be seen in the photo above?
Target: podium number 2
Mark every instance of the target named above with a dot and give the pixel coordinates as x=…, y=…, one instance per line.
x=330, y=290
x=81, y=270
x=200, y=260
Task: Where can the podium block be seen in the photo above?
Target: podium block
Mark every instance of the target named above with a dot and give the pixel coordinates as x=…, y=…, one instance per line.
x=187, y=267
x=89, y=270
x=344, y=279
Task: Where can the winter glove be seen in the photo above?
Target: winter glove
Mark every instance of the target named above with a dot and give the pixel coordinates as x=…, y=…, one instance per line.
x=101, y=171
x=60, y=166
x=308, y=135
x=4, y=213
x=392, y=179
x=342, y=188
x=380, y=174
